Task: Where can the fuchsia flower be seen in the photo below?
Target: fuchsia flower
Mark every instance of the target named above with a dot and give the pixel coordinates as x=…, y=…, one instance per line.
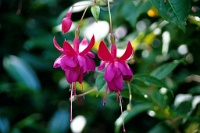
x=75, y=62
x=67, y=22
x=117, y=69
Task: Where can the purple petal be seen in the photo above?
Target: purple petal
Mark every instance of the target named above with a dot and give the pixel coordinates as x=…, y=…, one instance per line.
x=116, y=84
x=102, y=65
x=124, y=68
x=82, y=62
x=90, y=64
x=118, y=81
x=90, y=54
x=80, y=78
x=58, y=61
x=72, y=75
x=71, y=61
x=111, y=86
x=110, y=72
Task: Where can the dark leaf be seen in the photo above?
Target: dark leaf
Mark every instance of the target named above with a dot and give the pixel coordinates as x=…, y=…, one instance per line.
x=164, y=70
x=150, y=80
x=174, y=11
x=20, y=71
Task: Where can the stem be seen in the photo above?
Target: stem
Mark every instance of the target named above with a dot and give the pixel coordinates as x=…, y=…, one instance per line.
x=74, y=88
x=111, y=32
x=112, y=37
x=87, y=92
x=104, y=98
x=120, y=103
x=130, y=95
x=71, y=102
x=82, y=17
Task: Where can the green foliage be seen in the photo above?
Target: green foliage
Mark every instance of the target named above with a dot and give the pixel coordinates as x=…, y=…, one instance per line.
x=174, y=11
x=129, y=115
x=21, y=72
x=151, y=80
x=100, y=83
x=137, y=7
x=95, y=12
x=164, y=70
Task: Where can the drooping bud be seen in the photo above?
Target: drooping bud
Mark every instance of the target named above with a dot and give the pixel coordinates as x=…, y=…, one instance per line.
x=129, y=107
x=112, y=38
x=77, y=32
x=67, y=22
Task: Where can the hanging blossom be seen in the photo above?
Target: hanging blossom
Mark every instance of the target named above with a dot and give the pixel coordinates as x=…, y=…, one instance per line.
x=117, y=69
x=66, y=22
x=75, y=61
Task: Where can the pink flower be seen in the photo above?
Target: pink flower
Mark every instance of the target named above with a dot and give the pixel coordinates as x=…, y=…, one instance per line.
x=67, y=22
x=73, y=61
x=117, y=69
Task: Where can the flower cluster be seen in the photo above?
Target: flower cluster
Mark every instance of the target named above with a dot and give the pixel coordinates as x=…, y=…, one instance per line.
x=75, y=61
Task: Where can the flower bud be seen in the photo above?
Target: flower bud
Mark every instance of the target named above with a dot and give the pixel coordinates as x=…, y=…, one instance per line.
x=129, y=107
x=112, y=39
x=67, y=23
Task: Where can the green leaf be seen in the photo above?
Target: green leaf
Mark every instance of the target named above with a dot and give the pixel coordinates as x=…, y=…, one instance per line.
x=165, y=69
x=150, y=79
x=158, y=100
x=161, y=128
x=28, y=121
x=44, y=41
x=137, y=93
x=129, y=115
x=59, y=123
x=195, y=90
x=95, y=12
x=184, y=108
x=133, y=9
x=21, y=72
x=174, y=11
x=100, y=83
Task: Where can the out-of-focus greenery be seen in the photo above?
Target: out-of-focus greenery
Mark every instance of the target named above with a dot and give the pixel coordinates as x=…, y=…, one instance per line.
x=34, y=97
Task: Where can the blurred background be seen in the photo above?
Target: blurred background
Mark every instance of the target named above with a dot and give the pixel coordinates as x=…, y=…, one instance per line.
x=34, y=97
